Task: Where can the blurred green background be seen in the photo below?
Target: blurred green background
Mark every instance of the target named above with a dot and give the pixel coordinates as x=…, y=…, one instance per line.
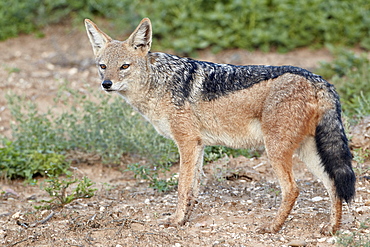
x=188, y=25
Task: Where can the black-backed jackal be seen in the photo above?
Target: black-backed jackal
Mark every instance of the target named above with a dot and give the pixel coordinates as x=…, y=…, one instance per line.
x=197, y=103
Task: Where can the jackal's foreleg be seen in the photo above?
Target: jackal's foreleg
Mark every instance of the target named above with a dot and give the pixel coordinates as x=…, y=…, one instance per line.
x=191, y=159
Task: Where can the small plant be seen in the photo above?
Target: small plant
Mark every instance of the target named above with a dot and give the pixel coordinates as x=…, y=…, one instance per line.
x=276, y=192
x=355, y=238
x=61, y=194
x=152, y=175
x=220, y=171
x=360, y=155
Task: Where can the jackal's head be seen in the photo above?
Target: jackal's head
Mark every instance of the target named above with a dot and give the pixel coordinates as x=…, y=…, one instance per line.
x=122, y=64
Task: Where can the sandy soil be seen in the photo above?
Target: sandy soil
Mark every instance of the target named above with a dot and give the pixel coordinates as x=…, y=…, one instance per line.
x=124, y=211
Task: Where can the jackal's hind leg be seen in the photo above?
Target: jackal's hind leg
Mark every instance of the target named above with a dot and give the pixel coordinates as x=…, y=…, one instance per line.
x=288, y=117
x=282, y=167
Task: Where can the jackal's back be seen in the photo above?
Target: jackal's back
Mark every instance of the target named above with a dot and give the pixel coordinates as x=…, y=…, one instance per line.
x=191, y=80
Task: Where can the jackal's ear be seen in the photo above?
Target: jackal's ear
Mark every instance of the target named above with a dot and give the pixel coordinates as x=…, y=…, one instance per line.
x=97, y=37
x=141, y=38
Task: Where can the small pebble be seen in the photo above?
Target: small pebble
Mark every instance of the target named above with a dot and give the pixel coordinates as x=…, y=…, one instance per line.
x=16, y=216
x=317, y=199
x=321, y=240
x=297, y=243
x=331, y=240
x=2, y=234
x=362, y=210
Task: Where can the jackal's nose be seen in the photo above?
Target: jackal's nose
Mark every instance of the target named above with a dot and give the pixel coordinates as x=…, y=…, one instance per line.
x=107, y=84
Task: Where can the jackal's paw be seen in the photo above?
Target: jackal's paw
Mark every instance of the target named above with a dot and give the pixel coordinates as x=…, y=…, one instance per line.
x=172, y=221
x=268, y=229
x=329, y=230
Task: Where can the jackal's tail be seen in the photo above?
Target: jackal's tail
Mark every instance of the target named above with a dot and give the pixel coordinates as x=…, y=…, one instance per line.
x=333, y=150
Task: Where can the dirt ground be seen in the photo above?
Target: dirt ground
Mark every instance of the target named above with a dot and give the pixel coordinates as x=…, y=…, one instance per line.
x=124, y=211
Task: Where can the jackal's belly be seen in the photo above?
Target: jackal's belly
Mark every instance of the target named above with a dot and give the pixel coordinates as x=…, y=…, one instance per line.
x=234, y=135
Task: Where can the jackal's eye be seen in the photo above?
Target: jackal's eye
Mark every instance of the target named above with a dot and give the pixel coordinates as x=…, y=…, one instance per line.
x=102, y=66
x=125, y=66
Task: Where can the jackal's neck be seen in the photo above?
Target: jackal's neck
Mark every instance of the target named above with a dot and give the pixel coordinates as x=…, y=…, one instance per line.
x=181, y=77
x=164, y=66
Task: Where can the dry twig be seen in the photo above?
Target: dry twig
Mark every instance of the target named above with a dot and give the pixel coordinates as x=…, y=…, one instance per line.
x=43, y=221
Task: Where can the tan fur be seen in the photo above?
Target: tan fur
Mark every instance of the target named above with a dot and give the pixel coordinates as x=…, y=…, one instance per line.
x=280, y=114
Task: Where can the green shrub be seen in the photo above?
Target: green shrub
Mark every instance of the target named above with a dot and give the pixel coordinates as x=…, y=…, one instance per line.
x=110, y=127
x=106, y=126
x=19, y=162
x=32, y=130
